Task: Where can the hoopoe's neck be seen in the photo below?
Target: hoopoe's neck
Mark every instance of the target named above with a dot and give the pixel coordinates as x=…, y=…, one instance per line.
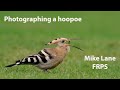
x=65, y=47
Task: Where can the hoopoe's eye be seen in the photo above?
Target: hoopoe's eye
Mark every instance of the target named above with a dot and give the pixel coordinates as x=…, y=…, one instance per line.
x=69, y=42
x=63, y=41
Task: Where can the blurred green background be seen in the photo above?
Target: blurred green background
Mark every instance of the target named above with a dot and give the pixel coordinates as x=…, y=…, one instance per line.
x=99, y=34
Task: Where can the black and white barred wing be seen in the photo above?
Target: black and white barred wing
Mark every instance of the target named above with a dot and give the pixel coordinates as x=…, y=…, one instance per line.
x=42, y=57
x=32, y=59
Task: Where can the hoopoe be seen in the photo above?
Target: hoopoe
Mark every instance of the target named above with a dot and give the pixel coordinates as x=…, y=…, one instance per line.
x=47, y=58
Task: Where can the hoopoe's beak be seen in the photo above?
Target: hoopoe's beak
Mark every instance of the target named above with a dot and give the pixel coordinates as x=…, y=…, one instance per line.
x=77, y=47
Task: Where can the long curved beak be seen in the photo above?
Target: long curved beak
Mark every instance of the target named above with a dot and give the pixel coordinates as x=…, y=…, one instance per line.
x=77, y=47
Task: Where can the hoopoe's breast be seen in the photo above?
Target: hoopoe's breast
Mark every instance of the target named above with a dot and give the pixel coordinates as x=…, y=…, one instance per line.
x=57, y=55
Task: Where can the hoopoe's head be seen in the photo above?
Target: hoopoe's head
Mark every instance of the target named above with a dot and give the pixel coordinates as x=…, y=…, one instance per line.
x=59, y=41
x=63, y=41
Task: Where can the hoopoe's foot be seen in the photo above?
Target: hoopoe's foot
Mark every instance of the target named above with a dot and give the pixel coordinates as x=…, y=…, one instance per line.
x=45, y=70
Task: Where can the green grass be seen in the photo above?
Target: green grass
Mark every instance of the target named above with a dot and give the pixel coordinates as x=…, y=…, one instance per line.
x=99, y=33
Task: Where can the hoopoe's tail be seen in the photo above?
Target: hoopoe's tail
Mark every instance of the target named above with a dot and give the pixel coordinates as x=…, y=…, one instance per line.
x=17, y=63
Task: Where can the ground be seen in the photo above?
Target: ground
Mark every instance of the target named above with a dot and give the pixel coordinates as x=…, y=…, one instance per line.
x=99, y=34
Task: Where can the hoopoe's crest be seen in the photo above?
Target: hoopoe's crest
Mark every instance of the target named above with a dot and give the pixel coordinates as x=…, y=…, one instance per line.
x=59, y=41
x=47, y=58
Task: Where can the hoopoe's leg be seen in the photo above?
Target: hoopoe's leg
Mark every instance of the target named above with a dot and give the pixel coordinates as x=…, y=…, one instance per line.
x=45, y=70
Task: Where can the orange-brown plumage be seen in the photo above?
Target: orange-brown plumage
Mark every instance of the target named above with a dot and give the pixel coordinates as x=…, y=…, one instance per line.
x=47, y=58
x=58, y=55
